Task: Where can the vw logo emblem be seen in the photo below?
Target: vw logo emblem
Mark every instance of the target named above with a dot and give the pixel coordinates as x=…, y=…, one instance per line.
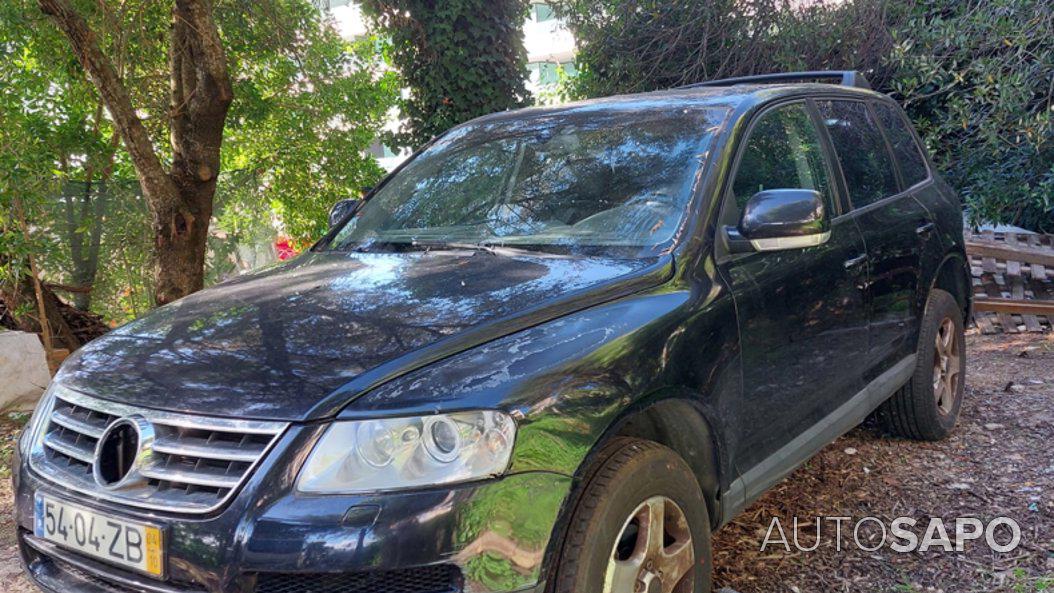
x=124, y=447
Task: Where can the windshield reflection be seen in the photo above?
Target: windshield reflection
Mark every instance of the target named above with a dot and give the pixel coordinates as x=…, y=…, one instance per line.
x=562, y=182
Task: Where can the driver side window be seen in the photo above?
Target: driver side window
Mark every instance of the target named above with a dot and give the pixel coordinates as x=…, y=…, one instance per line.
x=782, y=152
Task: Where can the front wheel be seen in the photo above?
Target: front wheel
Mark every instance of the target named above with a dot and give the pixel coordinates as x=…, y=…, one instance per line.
x=640, y=525
x=928, y=406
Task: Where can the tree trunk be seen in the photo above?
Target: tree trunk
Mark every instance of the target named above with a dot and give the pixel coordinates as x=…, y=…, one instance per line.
x=180, y=200
x=180, y=237
x=91, y=261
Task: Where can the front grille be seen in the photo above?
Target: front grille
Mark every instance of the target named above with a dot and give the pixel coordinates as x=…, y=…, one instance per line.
x=443, y=578
x=196, y=464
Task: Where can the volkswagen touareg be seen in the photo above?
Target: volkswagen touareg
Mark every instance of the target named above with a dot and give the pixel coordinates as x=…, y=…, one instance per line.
x=552, y=352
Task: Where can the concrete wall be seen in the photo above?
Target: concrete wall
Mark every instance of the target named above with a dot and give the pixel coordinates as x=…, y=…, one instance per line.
x=23, y=370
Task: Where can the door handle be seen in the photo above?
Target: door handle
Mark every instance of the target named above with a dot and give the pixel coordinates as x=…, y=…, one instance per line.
x=856, y=261
x=925, y=228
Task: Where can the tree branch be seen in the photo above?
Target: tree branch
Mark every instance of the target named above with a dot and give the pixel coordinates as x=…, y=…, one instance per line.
x=212, y=59
x=152, y=175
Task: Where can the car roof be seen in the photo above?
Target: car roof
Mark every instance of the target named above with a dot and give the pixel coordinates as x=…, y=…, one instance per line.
x=739, y=97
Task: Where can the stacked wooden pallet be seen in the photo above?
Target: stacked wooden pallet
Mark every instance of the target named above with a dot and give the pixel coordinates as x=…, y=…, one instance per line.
x=1013, y=281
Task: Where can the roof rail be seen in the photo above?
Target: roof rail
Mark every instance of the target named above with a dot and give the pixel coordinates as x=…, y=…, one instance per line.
x=841, y=77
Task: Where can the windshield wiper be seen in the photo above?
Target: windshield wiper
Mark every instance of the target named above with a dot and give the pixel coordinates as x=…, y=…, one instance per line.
x=490, y=248
x=520, y=249
x=469, y=246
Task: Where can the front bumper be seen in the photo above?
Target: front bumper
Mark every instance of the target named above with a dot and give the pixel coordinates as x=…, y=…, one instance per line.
x=487, y=537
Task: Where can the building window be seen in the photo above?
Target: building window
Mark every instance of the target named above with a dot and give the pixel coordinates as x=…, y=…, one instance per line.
x=381, y=151
x=543, y=73
x=541, y=12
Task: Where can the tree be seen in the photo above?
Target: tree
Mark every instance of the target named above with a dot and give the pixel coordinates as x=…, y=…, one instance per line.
x=180, y=198
x=24, y=180
x=460, y=59
x=307, y=104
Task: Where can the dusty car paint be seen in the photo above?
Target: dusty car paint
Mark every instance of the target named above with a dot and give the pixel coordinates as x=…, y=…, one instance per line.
x=276, y=344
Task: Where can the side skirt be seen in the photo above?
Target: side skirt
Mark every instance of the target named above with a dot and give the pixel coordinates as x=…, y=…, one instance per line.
x=755, y=482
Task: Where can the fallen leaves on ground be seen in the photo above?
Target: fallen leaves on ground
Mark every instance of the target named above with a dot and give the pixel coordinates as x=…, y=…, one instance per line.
x=998, y=462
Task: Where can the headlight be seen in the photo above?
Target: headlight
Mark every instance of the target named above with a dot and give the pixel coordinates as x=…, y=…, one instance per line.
x=400, y=453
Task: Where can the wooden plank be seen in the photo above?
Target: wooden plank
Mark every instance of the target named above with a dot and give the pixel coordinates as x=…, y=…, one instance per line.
x=1038, y=271
x=1013, y=267
x=1019, y=254
x=1039, y=290
x=987, y=263
x=1017, y=292
x=1017, y=286
x=1007, y=306
x=994, y=289
x=982, y=320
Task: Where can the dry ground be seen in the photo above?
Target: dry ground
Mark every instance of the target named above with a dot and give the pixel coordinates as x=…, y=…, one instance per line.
x=999, y=462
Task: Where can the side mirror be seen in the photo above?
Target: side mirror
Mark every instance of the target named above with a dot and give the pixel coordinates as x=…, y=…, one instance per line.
x=340, y=211
x=778, y=219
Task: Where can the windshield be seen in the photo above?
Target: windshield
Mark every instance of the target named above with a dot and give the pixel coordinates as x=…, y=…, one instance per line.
x=600, y=181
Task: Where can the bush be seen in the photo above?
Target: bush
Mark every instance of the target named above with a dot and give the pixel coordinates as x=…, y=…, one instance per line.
x=642, y=45
x=978, y=81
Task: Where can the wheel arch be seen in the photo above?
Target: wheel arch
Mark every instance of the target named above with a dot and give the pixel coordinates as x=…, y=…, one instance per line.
x=678, y=424
x=675, y=421
x=953, y=276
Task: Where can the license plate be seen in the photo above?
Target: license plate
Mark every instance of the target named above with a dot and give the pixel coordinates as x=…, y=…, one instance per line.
x=129, y=544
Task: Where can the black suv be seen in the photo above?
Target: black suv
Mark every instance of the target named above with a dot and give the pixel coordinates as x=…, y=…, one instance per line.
x=552, y=352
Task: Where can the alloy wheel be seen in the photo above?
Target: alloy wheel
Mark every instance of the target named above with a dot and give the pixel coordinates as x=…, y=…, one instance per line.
x=654, y=551
x=946, y=356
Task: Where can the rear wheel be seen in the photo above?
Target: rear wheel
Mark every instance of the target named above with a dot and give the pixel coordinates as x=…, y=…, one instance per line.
x=928, y=406
x=640, y=525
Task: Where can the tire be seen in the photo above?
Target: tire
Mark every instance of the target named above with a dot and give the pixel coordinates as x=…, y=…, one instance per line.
x=918, y=410
x=626, y=480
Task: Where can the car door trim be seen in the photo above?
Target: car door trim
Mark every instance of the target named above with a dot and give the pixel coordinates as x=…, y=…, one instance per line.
x=753, y=483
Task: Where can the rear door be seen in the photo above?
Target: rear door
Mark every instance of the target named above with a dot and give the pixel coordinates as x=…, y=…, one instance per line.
x=801, y=312
x=917, y=180
x=893, y=223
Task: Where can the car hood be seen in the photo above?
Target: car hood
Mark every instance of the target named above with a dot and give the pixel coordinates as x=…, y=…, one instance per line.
x=299, y=341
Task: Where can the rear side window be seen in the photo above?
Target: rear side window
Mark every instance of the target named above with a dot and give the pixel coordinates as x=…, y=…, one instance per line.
x=861, y=149
x=783, y=152
x=905, y=149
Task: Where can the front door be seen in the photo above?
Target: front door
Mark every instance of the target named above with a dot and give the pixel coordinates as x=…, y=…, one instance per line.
x=802, y=312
